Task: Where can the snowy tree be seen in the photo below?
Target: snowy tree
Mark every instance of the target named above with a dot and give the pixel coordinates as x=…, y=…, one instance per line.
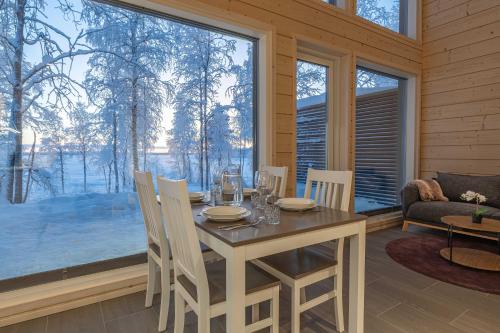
x=220, y=135
x=242, y=102
x=56, y=144
x=182, y=136
x=376, y=12
x=203, y=59
x=34, y=87
x=137, y=54
x=83, y=135
x=311, y=79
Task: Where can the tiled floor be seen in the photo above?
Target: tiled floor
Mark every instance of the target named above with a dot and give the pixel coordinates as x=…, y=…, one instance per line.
x=397, y=300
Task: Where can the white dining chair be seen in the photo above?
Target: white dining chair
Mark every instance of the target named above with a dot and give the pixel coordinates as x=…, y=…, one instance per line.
x=278, y=177
x=158, y=251
x=306, y=266
x=203, y=286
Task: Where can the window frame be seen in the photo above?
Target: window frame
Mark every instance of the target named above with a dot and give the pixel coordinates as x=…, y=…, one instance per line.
x=260, y=93
x=405, y=158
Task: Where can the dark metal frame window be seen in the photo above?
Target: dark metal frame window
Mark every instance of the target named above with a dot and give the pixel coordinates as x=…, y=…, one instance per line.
x=401, y=153
x=139, y=258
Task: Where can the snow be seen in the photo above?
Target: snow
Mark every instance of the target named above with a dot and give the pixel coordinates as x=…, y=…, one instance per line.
x=53, y=232
x=67, y=231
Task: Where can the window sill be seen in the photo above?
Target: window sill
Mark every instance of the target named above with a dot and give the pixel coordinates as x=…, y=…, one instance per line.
x=42, y=300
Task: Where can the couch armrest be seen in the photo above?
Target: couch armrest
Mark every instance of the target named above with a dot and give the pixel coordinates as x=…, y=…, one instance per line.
x=409, y=195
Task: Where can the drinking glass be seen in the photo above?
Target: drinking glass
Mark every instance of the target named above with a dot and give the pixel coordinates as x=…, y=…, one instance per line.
x=272, y=210
x=232, y=189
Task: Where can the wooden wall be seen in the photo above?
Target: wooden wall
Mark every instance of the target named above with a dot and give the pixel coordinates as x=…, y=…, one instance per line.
x=460, y=130
x=319, y=22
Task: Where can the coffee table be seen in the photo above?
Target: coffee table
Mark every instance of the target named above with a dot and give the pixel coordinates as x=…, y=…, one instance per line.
x=469, y=257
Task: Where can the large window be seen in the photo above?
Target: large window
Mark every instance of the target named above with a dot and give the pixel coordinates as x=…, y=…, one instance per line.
x=391, y=14
x=90, y=92
x=379, y=157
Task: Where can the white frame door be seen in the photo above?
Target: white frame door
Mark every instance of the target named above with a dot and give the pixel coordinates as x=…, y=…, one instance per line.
x=308, y=56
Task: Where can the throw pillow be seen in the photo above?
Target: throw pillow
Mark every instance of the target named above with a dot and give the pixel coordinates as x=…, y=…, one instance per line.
x=429, y=190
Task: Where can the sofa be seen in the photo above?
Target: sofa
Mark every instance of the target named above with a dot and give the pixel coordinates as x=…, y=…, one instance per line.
x=429, y=213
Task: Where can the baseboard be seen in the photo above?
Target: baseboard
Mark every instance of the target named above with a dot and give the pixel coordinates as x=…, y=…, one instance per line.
x=384, y=221
x=38, y=301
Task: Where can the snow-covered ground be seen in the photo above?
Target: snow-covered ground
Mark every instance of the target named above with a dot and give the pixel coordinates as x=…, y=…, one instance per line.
x=51, y=232
x=67, y=231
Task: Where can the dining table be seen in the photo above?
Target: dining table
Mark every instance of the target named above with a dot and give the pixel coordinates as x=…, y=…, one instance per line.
x=295, y=230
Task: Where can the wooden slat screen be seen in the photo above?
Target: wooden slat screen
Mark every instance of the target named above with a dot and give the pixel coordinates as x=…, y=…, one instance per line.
x=378, y=147
x=311, y=139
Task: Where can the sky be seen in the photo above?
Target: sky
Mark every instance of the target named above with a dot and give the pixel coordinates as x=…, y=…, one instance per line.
x=80, y=66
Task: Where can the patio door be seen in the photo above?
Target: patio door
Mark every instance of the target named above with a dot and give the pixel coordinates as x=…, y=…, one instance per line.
x=313, y=120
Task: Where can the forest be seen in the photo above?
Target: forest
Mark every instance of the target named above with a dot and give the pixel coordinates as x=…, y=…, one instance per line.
x=111, y=85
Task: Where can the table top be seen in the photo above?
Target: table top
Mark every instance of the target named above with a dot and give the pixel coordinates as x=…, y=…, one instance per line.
x=291, y=223
x=488, y=225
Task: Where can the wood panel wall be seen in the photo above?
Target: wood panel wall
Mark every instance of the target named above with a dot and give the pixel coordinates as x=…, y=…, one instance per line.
x=316, y=21
x=460, y=130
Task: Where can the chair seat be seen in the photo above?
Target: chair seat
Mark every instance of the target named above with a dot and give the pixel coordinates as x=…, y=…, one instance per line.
x=300, y=263
x=156, y=249
x=256, y=280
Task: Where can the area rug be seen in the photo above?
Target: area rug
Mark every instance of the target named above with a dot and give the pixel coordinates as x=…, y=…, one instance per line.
x=421, y=254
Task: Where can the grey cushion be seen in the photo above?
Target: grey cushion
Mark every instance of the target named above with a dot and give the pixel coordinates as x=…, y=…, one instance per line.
x=454, y=185
x=432, y=211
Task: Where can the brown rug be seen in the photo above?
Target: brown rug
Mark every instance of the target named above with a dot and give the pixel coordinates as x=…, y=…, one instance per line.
x=421, y=254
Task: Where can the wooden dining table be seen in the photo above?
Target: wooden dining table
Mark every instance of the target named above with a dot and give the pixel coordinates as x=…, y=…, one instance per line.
x=295, y=230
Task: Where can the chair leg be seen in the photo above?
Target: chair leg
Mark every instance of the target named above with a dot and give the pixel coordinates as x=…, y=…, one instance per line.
x=203, y=322
x=179, y=313
x=295, y=322
x=275, y=310
x=255, y=312
x=151, y=285
x=303, y=297
x=338, y=304
x=165, y=299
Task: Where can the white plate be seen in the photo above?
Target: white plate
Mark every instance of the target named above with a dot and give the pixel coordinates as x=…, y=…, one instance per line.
x=224, y=211
x=227, y=218
x=196, y=196
x=296, y=202
x=248, y=191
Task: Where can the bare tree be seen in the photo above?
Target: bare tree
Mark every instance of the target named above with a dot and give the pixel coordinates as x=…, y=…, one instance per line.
x=24, y=26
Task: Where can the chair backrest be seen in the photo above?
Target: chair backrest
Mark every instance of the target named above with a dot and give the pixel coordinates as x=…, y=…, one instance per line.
x=151, y=212
x=184, y=242
x=279, y=177
x=332, y=188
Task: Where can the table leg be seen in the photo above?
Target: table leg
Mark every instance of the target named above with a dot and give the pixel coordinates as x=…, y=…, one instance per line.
x=357, y=280
x=451, y=244
x=235, y=292
x=498, y=243
x=448, y=234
